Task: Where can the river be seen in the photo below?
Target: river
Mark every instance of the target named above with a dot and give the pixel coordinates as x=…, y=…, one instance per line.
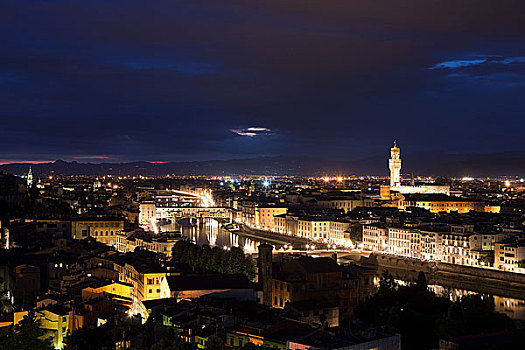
x=209, y=231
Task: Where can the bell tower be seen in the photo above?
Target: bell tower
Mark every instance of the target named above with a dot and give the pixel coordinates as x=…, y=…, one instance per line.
x=394, y=163
x=265, y=272
x=30, y=178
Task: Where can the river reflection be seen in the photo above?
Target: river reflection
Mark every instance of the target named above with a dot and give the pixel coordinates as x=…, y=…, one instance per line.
x=514, y=308
x=209, y=232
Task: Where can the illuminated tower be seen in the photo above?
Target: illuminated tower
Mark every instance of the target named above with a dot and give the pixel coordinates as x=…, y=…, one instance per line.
x=394, y=163
x=30, y=178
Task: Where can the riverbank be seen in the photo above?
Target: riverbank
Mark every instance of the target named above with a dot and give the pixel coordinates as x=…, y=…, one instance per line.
x=486, y=281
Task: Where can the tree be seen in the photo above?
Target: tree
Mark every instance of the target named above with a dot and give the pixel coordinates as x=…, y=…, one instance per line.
x=249, y=346
x=148, y=337
x=90, y=339
x=356, y=233
x=26, y=335
x=386, y=282
x=422, y=281
x=422, y=317
x=473, y=314
x=249, y=268
x=6, y=307
x=171, y=342
x=215, y=343
x=214, y=259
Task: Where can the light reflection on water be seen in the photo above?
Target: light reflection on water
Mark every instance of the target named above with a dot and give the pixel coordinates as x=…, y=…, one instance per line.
x=514, y=308
x=208, y=232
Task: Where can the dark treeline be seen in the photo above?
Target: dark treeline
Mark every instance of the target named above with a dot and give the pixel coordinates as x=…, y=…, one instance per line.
x=214, y=259
x=422, y=317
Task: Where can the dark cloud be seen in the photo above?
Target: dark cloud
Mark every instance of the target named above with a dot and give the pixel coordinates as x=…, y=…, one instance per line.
x=171, y=80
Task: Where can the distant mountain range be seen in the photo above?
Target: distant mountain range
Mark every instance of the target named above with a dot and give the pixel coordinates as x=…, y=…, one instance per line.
x=476, y=165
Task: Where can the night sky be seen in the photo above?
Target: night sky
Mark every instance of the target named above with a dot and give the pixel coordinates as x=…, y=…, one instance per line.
x=216, y=79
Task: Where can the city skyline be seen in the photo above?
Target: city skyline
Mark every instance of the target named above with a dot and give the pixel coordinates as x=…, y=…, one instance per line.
x=174, y=81
x=262, y=175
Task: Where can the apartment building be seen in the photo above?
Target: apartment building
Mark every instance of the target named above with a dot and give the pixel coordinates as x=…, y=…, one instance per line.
x=460, y=248
x=375, y=238
x=313, y=228
x=264, y=216
x=509, y=254
x=143, y=271
x=404, y=241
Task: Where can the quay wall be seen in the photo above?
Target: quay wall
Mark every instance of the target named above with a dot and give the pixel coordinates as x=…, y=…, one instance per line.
x=482, y=280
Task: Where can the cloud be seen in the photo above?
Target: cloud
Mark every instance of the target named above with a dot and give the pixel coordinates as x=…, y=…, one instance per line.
x=519, y=59
x=457, y=64
x=462, y=63
x=253, y=131
x=160, y=80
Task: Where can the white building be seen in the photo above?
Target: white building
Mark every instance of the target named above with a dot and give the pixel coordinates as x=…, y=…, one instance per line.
x=375, y=238
x=404, y=241
x=394, y=164
x=147, y=212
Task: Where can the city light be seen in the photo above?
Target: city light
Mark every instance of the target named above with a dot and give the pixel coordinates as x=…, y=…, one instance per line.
x=252, y=175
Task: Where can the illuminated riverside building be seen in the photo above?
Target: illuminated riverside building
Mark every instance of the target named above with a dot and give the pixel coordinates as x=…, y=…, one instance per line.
x=431, y=242
x=404, y=241
x=434, y=243
x=313, y=228
x=375, y=238
x=509, y=253
x=462, y=248
x=264, y=216
x=287, y=224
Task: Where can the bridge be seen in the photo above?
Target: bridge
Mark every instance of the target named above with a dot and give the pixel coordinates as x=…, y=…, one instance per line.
x=191, y=212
